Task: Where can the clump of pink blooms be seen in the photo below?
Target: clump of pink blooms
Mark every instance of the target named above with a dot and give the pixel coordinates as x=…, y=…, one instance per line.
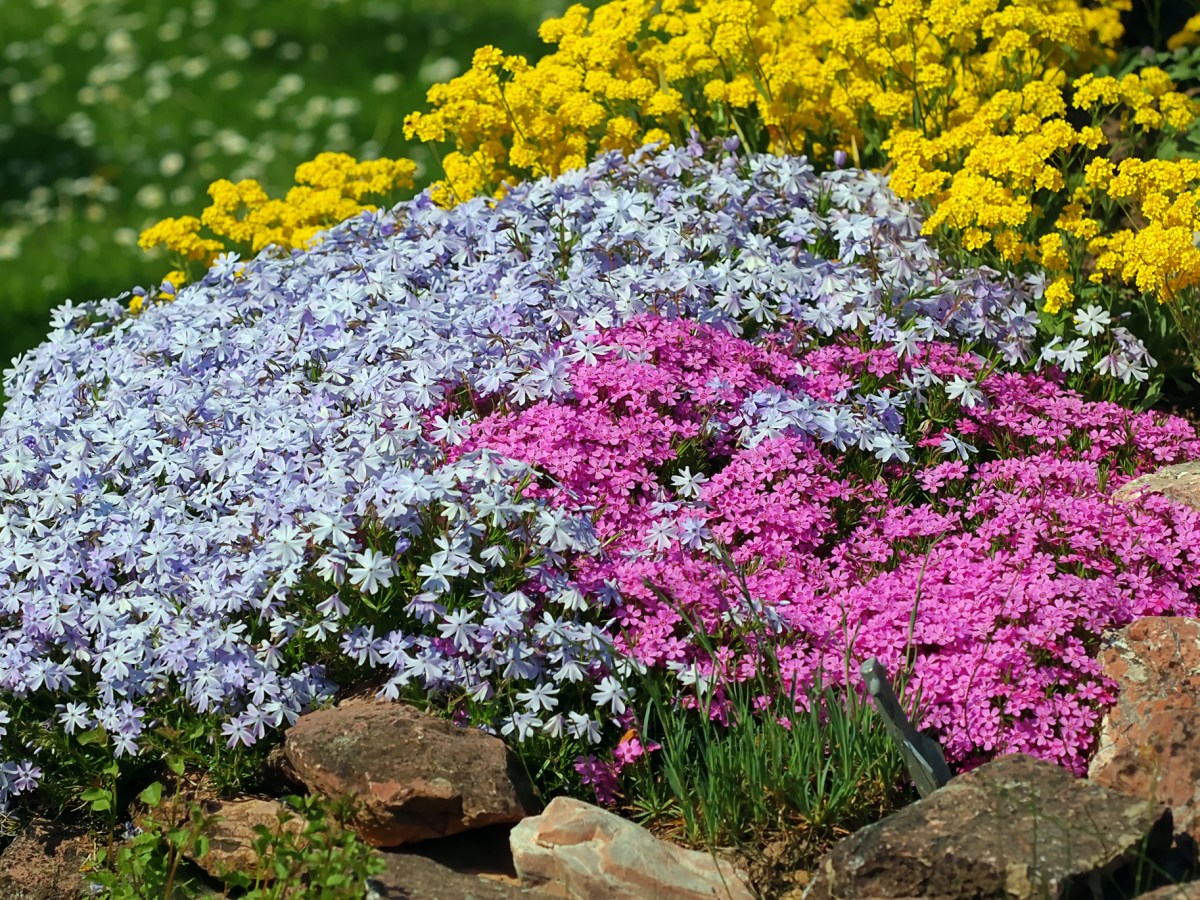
x=995, y=575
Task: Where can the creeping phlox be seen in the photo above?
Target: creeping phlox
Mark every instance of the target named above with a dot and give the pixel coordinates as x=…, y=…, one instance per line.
x=987, y=112
x=309, y=467
x=994, y=577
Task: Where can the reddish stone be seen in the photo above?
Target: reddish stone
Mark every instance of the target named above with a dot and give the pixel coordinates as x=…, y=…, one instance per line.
x=45, y=862
x=231, y=834
x=1150, y=740
x=582, y=851
x=416, y=776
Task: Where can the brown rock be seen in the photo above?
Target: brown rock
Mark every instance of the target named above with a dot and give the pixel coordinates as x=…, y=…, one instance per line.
x=1188, y=891
x=1180, y=483
x=1150, y=740
x=410, y=876
x=589, y=852
x=231, y=833
x=1014, y=828
x=415, y=775
x=45, y=863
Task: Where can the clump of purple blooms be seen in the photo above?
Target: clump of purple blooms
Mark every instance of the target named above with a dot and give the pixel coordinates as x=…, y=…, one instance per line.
x=499, y=452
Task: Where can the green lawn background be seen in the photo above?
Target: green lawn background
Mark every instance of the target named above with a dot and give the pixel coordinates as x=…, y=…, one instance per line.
x=116, y=113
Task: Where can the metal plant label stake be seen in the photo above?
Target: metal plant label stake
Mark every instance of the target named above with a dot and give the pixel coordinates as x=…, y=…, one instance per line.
x=922, y=755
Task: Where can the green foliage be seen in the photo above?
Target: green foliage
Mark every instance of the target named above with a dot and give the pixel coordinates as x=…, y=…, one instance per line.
x=763, y=764
x=322, y=859
x=325, y=861
x=151, y=862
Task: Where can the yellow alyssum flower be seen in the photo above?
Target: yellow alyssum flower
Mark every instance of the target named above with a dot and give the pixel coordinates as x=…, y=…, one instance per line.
x=968, y=99
x=329, y=189
x=1058, y=295
x=1053, y=253
x=1188, y=35
x=182, y=237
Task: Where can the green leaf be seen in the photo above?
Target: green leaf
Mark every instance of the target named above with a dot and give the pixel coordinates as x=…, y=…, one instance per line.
x=1168, y=149
x=152, y=794
x=95, y=736
x=100, y=798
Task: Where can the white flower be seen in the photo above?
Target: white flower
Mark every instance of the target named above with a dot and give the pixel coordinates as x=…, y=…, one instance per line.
x=541, y=697
x=374, y=570
x=964, y=391
x=687, y=484
x=609, y=691
x=1092, y=320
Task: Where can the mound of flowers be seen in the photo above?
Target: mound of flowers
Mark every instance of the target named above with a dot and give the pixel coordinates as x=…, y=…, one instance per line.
x=1003, y=120
x=511, y=454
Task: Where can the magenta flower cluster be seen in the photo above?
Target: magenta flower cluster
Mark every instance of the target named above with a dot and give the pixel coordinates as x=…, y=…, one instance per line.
x=997, y=579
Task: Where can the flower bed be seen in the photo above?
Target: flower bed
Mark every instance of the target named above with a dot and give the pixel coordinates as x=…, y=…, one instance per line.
x=512, y=456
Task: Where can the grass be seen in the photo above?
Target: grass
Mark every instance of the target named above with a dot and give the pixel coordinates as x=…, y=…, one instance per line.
x=790, y=779
x=116, y=113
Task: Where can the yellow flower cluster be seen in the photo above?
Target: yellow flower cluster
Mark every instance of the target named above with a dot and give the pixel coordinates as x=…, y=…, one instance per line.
x=1160, y=258
x=1188, y=35
x=977, y=108
x=329, y=189
x=991, y=177
x=966, y=100
x=182, y=237
x=786, y=75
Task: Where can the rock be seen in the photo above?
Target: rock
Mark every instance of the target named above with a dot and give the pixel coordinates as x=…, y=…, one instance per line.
x=45, y=862
x=416, y=776
x=1189, y=891
x=1180, y=483
x=1149, y=742
x=1015, y=828
x=588, y=852
x=410, y=876
x=231, y=833
x=482, y=851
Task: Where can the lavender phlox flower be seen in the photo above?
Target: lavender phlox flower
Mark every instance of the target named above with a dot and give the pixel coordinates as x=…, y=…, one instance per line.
x=955, y=445
x=522, y=724
x=965, y=391
x=459, y=627
x=611, y=693
x=374, y=571
x=889, y=447
x=582, y=727
x=542, y=697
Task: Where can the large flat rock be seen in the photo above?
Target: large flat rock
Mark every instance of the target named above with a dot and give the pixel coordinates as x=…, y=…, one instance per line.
x=585, y=852
x=1015, y=828
x=1180, y=483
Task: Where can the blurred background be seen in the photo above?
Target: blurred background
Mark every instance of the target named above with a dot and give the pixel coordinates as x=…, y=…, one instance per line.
x=117, y=113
